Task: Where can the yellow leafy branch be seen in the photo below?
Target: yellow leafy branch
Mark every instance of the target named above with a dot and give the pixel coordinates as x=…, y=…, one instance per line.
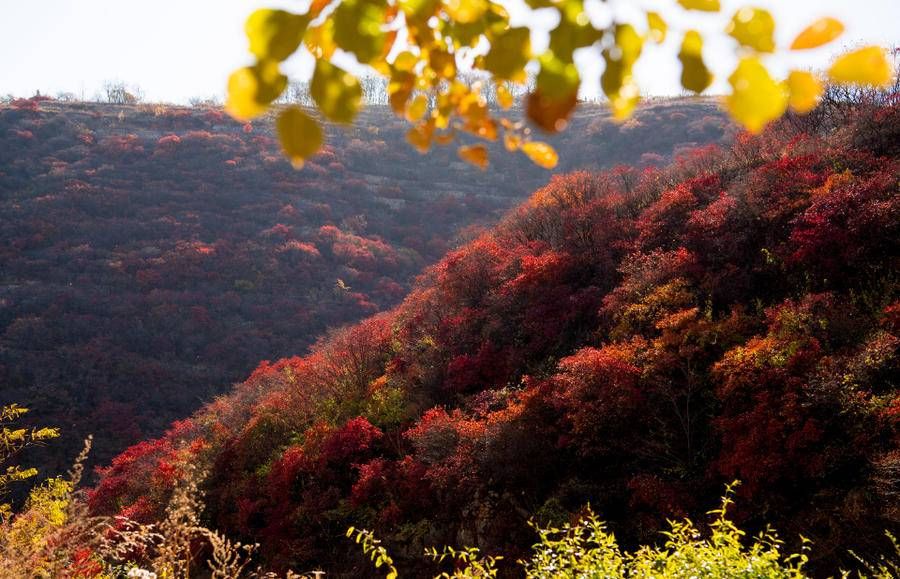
x=420, y=45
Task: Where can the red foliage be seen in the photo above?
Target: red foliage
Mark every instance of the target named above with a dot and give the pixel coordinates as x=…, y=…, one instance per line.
x=772, y=427
x=168, y=142
x=284, y=472
x=488, y=368
x=600, y=398
x=351, y=441
x=633, y=339
x=26, y=104
x=659, y=221
x=779, y=188
x=891, y=318
x=851, y=223
x=85, y=564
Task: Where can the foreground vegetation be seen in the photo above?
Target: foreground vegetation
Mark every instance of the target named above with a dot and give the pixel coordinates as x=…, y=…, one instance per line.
x=55, y=536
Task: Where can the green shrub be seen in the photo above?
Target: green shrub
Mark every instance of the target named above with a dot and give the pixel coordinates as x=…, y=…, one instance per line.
x=587, y=550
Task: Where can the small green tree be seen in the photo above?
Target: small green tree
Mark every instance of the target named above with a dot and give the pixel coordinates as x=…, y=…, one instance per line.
x=587, y=550
x=12, y=441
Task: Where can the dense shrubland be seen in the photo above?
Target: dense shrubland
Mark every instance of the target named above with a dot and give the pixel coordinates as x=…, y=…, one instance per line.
x=631, y=339
x=54, y=535
x=150, y=256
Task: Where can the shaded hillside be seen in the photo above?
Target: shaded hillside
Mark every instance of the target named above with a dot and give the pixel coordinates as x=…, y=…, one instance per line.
x=633, y=339
x=151, y=255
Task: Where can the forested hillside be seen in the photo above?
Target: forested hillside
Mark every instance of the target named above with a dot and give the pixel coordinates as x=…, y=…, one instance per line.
x=152, y=255
x=633, y=339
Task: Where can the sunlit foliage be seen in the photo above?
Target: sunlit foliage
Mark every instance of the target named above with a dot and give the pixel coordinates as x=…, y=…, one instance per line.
x=14, y=439
x=587, y=548
x=425, y=48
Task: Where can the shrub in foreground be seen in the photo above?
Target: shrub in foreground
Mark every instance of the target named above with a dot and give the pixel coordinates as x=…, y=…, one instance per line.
x=54, y=536
x=587, y=549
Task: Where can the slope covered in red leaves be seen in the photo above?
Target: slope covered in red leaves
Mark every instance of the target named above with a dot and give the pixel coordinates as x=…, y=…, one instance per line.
x=633, y=339
x=151, y=256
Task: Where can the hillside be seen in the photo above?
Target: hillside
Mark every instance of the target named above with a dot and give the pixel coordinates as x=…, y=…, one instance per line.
x=150, y=256
x=632, y=339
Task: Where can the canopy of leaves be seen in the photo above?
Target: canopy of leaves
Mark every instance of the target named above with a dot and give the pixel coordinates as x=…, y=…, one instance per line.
x=424, y=47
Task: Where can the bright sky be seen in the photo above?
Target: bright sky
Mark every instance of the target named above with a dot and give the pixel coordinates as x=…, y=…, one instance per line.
x=178, y=49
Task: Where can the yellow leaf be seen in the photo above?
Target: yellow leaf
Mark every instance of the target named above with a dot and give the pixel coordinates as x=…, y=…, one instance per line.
x=556, y=94
x=417, y=108
x=445, y=139
x=320, y=40
x=300, y=135
x=400, y=88
x=820, y=32
x=617, y=82
x=418, y=10
x=756, y=98
x=551, y=113
x=443, y=63
x=275, y=34
x=753, y=28
x=45, y=433
x=805, y=90
x=405, y=61
x=504, y=96
x=657, y=26
x=574, y=31
x=704, y=5
x=629, y=43
x=512, y=142
x=253, y=88
x=475, y=154
x=420, y=136
x=536, y=4
x=510, y=52
x=336, y=92
x=358, y=28
x=624, y=102
x=485, y=128
x=695, y=76
x=866, y=66
x=541, y=154
x=465, y=11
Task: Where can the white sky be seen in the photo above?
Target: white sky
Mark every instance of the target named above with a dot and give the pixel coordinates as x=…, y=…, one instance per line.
x=178, y=49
